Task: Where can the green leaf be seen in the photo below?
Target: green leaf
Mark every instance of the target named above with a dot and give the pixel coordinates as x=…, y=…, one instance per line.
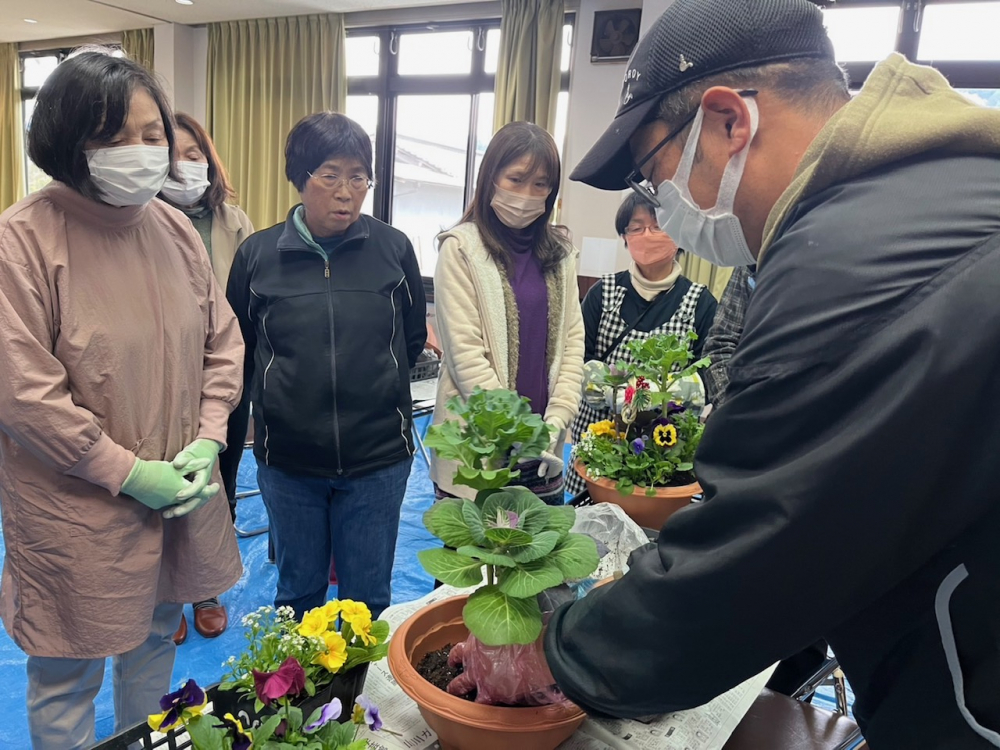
x=531, y=579
x=534, y=519
x=486, y=556
x=541, y=545
x=343, y=734
x=294, y=717
x=685, y=466
x=258, y=705
x=266, y=730
x=473, y=521
x=357, y=745
x=561, y=518
x=508, y=537
x=484, y=479
x=205, y=733
x=625, y=487
x=380, y=630
x=310, y=687
x=450, y=567
x=576, y=556
x=499, y=620
x=446, y=521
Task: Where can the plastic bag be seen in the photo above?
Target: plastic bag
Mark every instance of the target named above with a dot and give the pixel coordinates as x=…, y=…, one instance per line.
x=513, y=675
x=614, y=531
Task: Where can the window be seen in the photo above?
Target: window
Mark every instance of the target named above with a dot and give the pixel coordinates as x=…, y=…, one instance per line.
x=962, y=31
x=958, y=38
x=425, y=95
x=35, y=68
x=862, y=34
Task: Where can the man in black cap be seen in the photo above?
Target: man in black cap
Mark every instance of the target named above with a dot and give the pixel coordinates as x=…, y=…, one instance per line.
x=852, y=477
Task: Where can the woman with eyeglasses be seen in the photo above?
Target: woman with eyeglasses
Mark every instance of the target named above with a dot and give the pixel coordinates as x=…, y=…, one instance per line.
x=332, y=309
x=652, y=297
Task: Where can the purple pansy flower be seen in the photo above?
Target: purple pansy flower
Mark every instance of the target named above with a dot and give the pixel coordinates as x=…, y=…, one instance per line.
x=638, y=445
x=367, y=712
x=241, y=738
x=330, y=712
x=675, y=407
x=173, y=705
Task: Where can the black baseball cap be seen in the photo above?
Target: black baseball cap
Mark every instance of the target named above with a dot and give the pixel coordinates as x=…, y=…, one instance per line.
x=694, y=39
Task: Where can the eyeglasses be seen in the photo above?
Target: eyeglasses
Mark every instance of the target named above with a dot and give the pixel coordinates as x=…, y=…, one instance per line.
x=357, y=183
x=636, y=231
x=635, y=178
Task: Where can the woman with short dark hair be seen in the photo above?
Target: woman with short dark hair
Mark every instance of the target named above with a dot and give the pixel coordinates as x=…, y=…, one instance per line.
x=121, y=363
x=332, y=308
x=202, y=192
x=652, y=297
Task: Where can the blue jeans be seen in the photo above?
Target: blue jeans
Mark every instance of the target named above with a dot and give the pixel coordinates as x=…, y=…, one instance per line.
x=355, y=519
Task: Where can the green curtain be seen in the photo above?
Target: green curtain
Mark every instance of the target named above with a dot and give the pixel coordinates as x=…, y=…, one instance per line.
x=11, y=149
x=265, y=75
x=703, y=272
x=528, y=75
x=138, y=45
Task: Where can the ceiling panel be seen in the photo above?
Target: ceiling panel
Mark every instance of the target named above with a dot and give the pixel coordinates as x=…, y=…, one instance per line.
x=67, y=18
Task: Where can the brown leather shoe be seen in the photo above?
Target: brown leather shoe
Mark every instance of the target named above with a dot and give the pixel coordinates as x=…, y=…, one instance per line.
x=210, y=618
x=182, y=631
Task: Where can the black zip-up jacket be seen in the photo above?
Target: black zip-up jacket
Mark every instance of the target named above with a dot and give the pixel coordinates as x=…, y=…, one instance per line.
x=852, y=479
x=329, y=346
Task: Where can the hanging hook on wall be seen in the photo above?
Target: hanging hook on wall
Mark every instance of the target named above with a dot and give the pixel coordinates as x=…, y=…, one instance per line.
x=918, y=17
x=481, y=40
x=393, y=43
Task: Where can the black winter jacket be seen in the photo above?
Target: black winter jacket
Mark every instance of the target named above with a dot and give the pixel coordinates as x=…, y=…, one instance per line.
x=329, y=346
x=852, y=478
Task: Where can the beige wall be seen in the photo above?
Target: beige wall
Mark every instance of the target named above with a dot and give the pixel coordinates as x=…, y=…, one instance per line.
x=180, y=59
x=593, y=100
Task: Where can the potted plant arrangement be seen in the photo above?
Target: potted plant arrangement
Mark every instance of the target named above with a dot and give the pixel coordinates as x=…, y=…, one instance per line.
x=521, y=553
x=332, y=646
x=286, y=729
x=642, y=458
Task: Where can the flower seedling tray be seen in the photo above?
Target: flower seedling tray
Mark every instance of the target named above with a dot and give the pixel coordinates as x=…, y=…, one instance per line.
x=346, y=686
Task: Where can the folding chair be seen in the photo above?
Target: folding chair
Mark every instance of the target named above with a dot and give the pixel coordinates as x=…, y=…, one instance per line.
x=246, y=533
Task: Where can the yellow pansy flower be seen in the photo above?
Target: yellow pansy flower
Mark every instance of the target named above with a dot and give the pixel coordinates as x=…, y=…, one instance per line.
x=363, y=630
x=314, y=623
x=665, y=435
x=331, y=609
x=336, y=652
x=605, y=428
x=354, y=612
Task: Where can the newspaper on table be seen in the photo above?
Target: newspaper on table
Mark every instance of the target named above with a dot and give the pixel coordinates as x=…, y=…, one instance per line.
x=707, y=727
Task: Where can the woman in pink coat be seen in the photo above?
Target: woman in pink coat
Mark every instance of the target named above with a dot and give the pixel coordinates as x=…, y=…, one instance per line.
x=121, y=362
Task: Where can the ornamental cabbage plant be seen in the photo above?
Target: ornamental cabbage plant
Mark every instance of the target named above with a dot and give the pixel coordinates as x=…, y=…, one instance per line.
x=507, y=539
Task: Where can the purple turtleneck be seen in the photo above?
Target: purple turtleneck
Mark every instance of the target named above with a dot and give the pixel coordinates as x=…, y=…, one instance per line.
x=528, y=283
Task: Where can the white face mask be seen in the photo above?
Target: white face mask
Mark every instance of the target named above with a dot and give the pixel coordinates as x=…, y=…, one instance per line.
x=129, y=175
x=714, y=234
x=192, y=185
x=515, y=210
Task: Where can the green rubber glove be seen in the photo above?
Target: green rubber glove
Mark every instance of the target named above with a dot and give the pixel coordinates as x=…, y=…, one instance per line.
x=155, y=484
x=198, y=459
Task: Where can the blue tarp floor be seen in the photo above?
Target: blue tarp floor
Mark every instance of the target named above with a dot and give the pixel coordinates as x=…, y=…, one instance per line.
x=202, y=658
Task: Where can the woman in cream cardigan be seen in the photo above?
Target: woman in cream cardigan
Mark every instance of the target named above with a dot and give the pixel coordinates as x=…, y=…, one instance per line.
x=506, y=301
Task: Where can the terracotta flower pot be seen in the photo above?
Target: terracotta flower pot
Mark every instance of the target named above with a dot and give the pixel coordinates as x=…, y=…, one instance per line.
x=458, y=723
x=648, y=512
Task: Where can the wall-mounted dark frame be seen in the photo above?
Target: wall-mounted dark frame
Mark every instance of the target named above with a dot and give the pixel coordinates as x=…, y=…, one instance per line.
x=627, y=22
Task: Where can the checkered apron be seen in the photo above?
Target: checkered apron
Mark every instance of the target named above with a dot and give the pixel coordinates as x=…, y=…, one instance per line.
x=611, y=327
